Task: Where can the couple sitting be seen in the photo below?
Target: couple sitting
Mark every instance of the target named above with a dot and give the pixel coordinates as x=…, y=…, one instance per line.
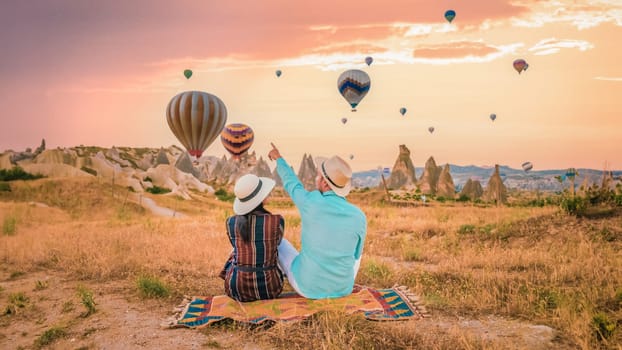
x=332, y=236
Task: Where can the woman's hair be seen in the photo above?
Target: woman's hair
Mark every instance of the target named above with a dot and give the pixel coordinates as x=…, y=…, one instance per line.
x=241, y=222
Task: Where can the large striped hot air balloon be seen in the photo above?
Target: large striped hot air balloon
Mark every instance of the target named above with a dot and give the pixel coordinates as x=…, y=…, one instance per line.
x=237, y=139
x=196, y=118
x=353, y=85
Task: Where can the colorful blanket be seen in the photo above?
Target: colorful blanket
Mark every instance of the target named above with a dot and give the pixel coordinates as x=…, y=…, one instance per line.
x=395, y=303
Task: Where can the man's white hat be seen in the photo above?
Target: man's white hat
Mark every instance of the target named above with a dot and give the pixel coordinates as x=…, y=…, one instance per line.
x=338, y=174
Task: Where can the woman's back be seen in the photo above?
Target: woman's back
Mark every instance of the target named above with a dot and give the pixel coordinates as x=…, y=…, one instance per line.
x=252, y=273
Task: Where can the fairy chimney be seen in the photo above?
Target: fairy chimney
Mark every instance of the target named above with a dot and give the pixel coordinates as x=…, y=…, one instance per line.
x=162, y=158
x=495, y=190
x=403, y=171
x=307, y=172
x=445, y=186
x=428, y=181
x=472, y=189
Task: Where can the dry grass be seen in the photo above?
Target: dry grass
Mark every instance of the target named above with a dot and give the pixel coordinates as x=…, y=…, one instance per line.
x=532, y=264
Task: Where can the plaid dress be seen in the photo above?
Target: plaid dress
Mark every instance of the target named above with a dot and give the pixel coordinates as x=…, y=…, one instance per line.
x=251, y=273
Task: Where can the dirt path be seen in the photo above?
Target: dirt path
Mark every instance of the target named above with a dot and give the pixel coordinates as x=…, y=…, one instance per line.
x=154, y=208
x=125, y=321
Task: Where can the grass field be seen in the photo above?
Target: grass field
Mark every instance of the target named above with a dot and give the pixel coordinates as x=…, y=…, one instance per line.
x=498, y=266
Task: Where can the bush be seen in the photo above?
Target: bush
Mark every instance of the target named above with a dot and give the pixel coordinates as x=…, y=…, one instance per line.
x=157, y=190
x=17, y=173
x=603, y=325
x=224, y=196
x=89, y=170
x=5, y=187
x=9, y=225
x=573, y=205
x=86, y=296
x=152, y=287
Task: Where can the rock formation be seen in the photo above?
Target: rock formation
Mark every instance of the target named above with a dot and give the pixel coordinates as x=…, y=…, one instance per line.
x=307, y=172
x=403, y=171
x=495, y=190
x=472, y=189
x=162, y=158
x=429, y=180
x=445, y=186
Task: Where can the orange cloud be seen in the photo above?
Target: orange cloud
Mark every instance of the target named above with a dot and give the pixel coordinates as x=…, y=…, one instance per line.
x=455, y=50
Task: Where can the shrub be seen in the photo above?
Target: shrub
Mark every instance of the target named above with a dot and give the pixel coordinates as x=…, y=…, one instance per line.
x=17, y=173
x=9, y=225
x=5, y=187
x=89, y=170
x=157, y=190
x=224, y=196
x=50, y=336
x=466, y=229
x=573, y=205
x=603, y=325
x=86, y=296
x=152, y=287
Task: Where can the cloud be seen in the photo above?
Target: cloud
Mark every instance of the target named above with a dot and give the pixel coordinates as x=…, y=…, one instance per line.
x=581, y=15
x=462, y=52
x=552, y=45
x=609, y=78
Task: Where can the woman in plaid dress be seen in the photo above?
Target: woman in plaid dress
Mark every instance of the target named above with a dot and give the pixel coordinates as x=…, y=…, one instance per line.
x=251, y=272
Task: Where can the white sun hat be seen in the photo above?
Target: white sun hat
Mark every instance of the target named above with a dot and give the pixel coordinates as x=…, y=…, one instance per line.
x=338, y=175
x=250, y=190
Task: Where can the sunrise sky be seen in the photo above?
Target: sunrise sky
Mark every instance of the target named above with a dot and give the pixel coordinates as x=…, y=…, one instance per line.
x=102, y=72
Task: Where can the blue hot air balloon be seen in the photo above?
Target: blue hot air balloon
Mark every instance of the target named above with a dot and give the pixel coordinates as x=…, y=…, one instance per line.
x=278, y=73
x=369, y=60
x=493, y=117
x=403, y=110
x=353, y=85
x=450, y=15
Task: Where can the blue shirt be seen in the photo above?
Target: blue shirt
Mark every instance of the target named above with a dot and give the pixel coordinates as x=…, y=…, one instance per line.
x=332, y=236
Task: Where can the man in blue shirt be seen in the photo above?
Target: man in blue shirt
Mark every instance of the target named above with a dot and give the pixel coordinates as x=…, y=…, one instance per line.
x=332, y=235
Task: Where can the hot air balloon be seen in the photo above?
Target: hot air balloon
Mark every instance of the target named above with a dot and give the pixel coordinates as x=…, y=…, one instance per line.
x=351, y=156
x=520, y=65
x=344, y=120
x=527, y=166
x=187, y=73
x=369, y=60
x=353, y=85
x=571, y=173
x=431, y=129
x=196, y=118
x=278, y=73
x=237, y=139
x=450, y=15
x=493, y=117
x=403, y=110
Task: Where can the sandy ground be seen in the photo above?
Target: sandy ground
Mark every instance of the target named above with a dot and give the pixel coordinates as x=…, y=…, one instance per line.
x=123, y=320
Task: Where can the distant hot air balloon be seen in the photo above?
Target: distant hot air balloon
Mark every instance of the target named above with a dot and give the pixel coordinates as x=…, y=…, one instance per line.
x=353, y=85
x=527, y=166
x=278, y=73
x=520, y=65
x=450, y=15
x=369, y=60
x=386, y=171
x=196, y=118
x=431, y=129
x=493, y=117
x=344, y=120
x=187, y=73
x=351, y=156
x=237, y=139
x=403, y=110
